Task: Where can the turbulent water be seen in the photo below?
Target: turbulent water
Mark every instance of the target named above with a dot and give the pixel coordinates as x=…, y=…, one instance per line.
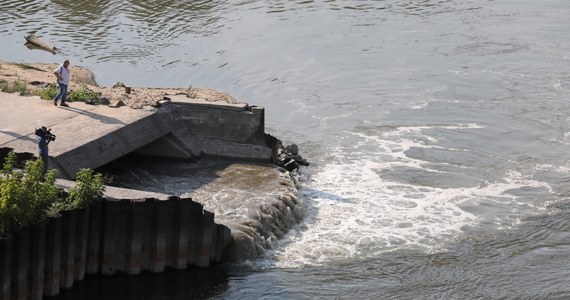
x=438, y=133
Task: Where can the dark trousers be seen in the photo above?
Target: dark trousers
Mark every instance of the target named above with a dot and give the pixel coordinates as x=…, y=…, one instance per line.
x=44, y=158
x=62, y=93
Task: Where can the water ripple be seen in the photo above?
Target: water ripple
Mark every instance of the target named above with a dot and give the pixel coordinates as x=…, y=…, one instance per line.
x=113, y=28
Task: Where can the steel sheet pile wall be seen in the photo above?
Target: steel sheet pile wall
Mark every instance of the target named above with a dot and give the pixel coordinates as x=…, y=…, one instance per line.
x=112, y=236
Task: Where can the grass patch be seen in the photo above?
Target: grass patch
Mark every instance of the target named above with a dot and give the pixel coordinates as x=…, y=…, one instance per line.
x=47, y=93
x=191, y=93
x=83, y=94
x=14, y=87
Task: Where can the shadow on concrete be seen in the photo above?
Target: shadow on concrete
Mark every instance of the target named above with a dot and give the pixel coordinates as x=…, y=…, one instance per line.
x=102, y=118
x=18, y=136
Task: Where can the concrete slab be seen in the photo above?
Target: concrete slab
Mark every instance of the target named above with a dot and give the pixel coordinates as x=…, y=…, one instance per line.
x=115, y=193
x=73, y=126
x=90, y=136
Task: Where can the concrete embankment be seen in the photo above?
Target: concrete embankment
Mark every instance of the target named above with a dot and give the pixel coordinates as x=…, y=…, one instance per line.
x=128, y=231
x=135, y=232
x=91, y=136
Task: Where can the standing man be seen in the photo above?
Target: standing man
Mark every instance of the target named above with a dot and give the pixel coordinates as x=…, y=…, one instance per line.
x=43, y=142
x=62, y=75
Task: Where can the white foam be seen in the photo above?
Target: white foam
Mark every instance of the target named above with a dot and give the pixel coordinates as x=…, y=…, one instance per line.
x=353, y=213
x=559, y=168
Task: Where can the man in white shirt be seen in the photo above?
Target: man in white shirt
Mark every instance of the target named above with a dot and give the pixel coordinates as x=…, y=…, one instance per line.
x=62, y=74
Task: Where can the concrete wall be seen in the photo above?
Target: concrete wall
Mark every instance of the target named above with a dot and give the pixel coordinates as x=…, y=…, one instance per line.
x=127, y=236
x=231, y=131
x=178, y=129
x=240, y=125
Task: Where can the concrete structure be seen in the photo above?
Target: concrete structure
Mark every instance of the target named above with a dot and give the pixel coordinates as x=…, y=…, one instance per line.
x=129, y=231
x=128, y=236
x=133, y=230
x=91, y=136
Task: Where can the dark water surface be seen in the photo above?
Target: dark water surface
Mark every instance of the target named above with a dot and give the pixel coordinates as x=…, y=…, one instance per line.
x=438, y=133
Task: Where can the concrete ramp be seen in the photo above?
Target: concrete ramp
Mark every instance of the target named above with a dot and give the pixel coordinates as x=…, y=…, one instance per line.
x=98, y=142
x=89, y=136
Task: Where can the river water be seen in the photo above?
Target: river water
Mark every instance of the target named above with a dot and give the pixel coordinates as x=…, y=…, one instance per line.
x=438, y=133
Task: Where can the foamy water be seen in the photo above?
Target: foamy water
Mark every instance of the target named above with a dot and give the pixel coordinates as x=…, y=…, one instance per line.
x=354, y=213
x=438, y=132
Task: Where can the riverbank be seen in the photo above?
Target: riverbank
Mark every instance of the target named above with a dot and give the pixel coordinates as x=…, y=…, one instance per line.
x=38, y=75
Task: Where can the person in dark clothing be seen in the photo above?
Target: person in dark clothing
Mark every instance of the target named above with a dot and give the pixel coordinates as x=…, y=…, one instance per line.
x=43, y=142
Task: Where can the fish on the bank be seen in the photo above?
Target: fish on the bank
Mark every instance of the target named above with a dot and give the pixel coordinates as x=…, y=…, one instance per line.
x=33, y=42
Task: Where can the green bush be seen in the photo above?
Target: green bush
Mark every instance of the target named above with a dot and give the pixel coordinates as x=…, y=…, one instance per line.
x=88, y=188
x=48, y=93
x=24, y=197
x=84, y=94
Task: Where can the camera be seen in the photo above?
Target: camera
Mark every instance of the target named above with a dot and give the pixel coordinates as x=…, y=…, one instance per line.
x=45, y=133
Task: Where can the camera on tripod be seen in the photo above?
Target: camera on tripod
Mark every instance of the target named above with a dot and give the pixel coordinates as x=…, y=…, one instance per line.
x=45, y=133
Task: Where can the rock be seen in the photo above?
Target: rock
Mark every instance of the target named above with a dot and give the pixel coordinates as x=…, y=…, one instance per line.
x=118, y=84
x=293, y=149
x=104, y=101
x=116, y=103
x=287, y=157
x=290, y=165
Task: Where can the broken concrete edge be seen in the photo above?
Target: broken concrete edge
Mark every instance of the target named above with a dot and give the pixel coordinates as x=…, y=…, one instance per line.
x=115, y=193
